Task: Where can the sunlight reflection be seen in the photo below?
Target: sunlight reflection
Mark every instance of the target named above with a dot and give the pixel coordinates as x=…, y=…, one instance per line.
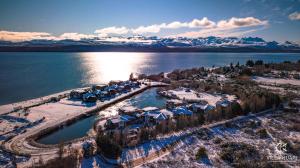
x=101, y=67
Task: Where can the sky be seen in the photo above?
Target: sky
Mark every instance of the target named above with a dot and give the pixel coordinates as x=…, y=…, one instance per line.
x=22, y=20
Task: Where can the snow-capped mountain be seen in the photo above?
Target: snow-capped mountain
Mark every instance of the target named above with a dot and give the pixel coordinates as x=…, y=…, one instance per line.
x=153, y=44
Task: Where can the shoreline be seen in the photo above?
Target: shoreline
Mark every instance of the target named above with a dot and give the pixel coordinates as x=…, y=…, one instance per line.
x=11, y=107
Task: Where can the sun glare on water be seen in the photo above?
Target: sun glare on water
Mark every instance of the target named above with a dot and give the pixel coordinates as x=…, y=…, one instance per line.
x=101, y=67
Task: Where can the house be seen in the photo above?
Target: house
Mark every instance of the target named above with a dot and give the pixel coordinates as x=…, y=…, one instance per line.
x=173, y=103
x=132, y=134
x=201, y=108
x=182, y=111
x=115, y=82
x=153, y=117
x=167, y=113
x=98, y=87
x=76, y=94
x=89, y=97
x=120, y=121
x=223, y=103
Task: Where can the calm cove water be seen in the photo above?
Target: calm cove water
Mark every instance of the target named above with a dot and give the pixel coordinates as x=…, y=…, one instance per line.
x=27, y=75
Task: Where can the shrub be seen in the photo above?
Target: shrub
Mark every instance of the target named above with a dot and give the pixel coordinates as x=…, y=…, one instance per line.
x=235, y=152
x=262, y=133
x=295, y=127
x=201, y=153
x=217, y=140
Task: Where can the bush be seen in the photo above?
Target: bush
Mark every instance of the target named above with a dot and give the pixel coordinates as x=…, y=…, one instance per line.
x=262, y=133
x=295, y=127
x=235, y=152
x=217, y=140
x=201, y=153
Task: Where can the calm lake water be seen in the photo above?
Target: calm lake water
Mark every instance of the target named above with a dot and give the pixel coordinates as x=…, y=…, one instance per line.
x=26, y=75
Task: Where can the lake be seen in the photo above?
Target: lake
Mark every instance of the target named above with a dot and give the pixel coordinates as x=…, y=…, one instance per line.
x=27, y=75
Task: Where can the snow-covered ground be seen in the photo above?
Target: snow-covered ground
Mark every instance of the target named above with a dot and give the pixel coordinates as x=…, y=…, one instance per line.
x=276, y=80
x=237, y=132
x=11, y=107
x=191, y=95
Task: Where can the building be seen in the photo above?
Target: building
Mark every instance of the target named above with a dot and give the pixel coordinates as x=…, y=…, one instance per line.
x=76, y=94
x=119, y=122
x=182, y=111
x=201, y=108
x=153, y=117
x=173, y=103
x=131, y=135
x=89, y=97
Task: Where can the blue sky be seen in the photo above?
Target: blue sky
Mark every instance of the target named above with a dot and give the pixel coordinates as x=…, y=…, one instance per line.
x=57, y=19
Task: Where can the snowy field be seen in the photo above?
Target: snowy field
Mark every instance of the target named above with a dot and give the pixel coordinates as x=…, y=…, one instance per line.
x=244, y=131
x=191, y=95
x=276, y=80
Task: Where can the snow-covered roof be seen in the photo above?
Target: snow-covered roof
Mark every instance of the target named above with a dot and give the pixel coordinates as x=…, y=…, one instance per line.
x=156, y=115
x=209, y=107
x=150, y=108
x=124, y=118
x=128, y=109
x=201, y=106
x=87, y=95
x=175, y=101
x=223, y=103
x=167, y=112
x=182, y=111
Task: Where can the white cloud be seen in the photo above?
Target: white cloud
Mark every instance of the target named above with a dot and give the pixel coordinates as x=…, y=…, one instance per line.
x=148, y=29
x=195, y=23
x=241, y=22
x=204, y=22
x=294, y=16
x=112, y=30
x=221, y=32
x=75, y=36
x=175, y=25
x=23, y=36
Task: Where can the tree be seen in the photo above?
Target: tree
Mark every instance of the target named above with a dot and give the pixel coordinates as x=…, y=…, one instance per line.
x=259, y=62
x=144, y=135
x=201, y=153
x=131, y=77
x=250, y=63
x=108, y=147
x=41, y=161
x=60, y=151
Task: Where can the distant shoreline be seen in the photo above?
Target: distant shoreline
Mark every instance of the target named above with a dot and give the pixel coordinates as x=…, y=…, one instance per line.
x=81, y=48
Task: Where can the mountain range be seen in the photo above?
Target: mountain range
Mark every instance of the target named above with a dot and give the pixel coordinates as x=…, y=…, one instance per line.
x=154, y=44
